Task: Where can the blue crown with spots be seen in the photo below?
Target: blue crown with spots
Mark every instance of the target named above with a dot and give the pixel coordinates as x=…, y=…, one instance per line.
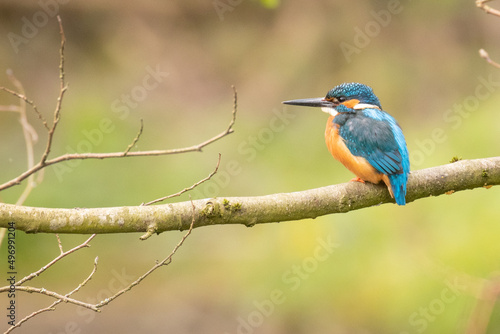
x=354, y=90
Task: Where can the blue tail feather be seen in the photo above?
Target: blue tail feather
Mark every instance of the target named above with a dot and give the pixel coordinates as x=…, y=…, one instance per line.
x=398, y=186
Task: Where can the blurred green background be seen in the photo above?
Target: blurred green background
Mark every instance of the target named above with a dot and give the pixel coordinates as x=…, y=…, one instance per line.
x=427, y=267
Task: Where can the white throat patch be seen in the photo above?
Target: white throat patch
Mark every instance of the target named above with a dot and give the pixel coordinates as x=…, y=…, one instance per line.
x=360, y=106
x=329, y=110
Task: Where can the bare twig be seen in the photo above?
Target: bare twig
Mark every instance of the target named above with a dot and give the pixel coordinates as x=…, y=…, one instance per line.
x=85, y=281
x=29, y=133
x=486, y=56
x=229, y=129
x=482, y=4
x=45, y=161
x=59, y=243
x=60, y=298
x=56, y=295
x=136, y=139
x=481, y=314
x=63, y=88
x=48, y=265
x=164, y=262
x=153, y=226
x=10, y=108
x=28, y=101
x=82, y=156
x=188, y=188
x=95, y=307
x=54, y=304
x=30, y=137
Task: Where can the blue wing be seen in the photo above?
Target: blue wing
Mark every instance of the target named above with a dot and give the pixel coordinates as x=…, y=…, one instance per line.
x=373, y=140
x=376, y=136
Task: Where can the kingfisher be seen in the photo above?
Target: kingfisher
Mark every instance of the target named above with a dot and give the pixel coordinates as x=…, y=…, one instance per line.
x=363, y=137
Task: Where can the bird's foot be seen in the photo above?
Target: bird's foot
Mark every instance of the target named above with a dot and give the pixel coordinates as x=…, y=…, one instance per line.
x=357, y=179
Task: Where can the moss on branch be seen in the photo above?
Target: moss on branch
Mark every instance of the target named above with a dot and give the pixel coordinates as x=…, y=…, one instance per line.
x=435, y=181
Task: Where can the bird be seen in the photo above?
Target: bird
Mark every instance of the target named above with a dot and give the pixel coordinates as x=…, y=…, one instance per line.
x=363, y=137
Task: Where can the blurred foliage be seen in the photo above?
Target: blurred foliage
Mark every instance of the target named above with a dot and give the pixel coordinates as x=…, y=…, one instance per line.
x=270, y=3
x=412, y=269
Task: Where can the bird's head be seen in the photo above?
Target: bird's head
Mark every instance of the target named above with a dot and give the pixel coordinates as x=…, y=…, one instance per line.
x=346, y=97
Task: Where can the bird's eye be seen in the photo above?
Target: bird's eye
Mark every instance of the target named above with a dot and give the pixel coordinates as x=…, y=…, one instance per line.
x=342, y=98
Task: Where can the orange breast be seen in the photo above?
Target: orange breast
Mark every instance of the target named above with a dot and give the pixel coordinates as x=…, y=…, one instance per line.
x=358, y=165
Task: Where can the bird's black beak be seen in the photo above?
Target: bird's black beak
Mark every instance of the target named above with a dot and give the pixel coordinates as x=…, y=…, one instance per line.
x=315, y=102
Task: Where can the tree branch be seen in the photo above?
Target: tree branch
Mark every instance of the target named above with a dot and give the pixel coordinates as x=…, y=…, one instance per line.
x=56, y=295
x=52, y=307
x=435, y=181
x=45, y=161
x=489, y=10
x=165, y=262
x=61, y=256
x=66, y=298
x=483, y=54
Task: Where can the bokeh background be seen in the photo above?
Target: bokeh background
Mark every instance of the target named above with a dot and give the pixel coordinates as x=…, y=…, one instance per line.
x=428, y=267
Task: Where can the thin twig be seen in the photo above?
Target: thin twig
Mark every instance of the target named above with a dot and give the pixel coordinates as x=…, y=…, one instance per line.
x=63, y=88
x=481, y=4
x=229, y=129
x=52, y=306
x=164, y=262
x=30, y=137
x=59, y=243
x=61, y=53
x=48, y=265
x=28, y=101
x=45, y=162
x=56, y=295
x=81, y=156
x=486, y=56
x=136, y=139
x=10, y=108
x=26, y=318
x=188, y=188
x=486, y=300
x=85, y=281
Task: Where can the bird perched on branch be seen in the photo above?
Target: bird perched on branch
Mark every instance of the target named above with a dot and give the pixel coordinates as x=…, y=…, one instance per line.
x=363, y=137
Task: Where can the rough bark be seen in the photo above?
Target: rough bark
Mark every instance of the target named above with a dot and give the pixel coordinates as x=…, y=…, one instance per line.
x=435, y=181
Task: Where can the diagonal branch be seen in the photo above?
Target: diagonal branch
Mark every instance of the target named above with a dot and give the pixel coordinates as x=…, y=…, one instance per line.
x=45, y=161
x=126, y=153
x=188, y=188
x=62, y=90
x=435, y=181
x=483, y=54
x=59, y=257
x=136, y=139
x=23, y=97
x=53, y=294
x=489, y=10
x=52, y=307
x=166, y=261
x=152, y=228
